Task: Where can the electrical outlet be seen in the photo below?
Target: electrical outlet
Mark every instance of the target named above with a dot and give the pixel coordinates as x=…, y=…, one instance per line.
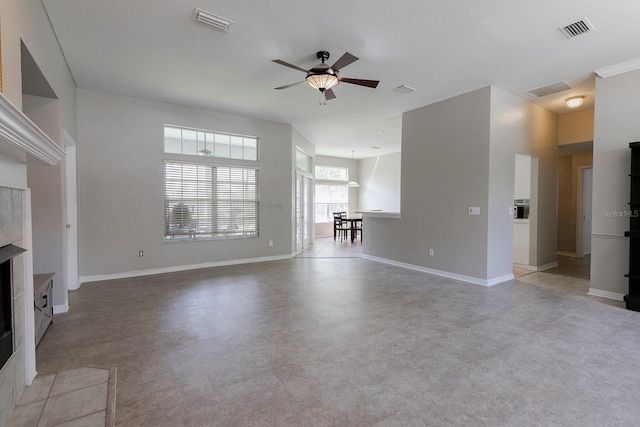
x=140, y=253
x=432, y=252
x=270, y=243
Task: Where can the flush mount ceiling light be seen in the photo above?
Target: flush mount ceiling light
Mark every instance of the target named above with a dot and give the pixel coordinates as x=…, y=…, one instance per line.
x=575, y=101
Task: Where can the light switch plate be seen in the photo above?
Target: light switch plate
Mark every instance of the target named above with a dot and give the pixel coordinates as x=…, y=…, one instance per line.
x=474, y=210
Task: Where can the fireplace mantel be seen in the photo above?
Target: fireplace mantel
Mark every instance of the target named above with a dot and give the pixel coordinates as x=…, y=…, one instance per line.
x=21, y=135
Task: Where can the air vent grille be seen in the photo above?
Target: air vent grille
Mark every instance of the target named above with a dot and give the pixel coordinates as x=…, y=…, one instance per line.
x=211, y=19
x=577, y=28
x=549, y=89
x=405, y=88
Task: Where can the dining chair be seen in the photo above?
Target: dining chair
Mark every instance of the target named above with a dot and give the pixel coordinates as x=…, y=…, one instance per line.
x=339, y=226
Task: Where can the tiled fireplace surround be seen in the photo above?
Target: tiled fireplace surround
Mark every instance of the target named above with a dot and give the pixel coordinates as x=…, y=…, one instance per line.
x=13, y=376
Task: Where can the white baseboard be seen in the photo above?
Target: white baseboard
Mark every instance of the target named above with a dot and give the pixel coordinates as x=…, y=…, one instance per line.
x=57, y=309
x=605, y=294
x=545, y=266
x=463, y=278
x=569, y=254
x=528, y=267
x=149, y=272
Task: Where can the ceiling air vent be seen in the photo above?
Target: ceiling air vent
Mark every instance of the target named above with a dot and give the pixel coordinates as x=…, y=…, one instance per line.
x=406, y=88
x=577, y=28
x=549, y=89
x=209, y=18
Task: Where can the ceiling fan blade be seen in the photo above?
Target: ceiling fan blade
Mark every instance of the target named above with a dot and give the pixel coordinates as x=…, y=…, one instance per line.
x=344, y=60
x=329, y=95
x=368, y=83
x=291, y=85
x=286, y=64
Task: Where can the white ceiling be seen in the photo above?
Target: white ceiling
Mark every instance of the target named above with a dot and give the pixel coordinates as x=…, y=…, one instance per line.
x=153, y=50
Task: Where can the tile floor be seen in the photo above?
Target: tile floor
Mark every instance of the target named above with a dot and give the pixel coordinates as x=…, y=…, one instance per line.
x=326, y=247
x=83, y=397
x=350, y=342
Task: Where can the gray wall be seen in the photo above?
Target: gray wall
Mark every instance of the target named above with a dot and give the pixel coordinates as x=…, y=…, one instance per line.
x=380, y=183
x=26, y=21
x=615, y=125
x=47, y=212
x=445, y=159
x=121, y=189
x=460, y=153
x=521, y=127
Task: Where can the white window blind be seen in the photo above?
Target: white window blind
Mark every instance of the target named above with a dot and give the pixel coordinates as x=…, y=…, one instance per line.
x=210, y=201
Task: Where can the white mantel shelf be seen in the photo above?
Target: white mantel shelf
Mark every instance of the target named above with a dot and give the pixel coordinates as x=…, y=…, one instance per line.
x=19, y=132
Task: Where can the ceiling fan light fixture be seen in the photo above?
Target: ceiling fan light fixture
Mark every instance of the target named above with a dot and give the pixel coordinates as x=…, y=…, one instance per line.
x=575, y=101
x=322, y=81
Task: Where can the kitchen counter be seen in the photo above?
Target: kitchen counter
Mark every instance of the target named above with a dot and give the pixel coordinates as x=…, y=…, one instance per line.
x=379, y=214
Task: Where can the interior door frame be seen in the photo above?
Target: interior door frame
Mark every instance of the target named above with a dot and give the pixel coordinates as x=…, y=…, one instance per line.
x=304, y=191
x=71, y=224
x=579, y=210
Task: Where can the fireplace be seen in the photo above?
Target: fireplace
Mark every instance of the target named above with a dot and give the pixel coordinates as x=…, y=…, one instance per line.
x=6, y=317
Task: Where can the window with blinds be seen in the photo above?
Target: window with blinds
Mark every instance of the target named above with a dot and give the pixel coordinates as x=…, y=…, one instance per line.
x=332, y=193
x=210, y=202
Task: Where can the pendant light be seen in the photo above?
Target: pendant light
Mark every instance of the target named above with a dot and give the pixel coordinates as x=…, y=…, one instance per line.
x=353, y=184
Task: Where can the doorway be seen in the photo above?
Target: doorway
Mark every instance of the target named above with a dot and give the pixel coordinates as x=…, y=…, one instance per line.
x=304, y=211
x=523, y=180
x=72, y=276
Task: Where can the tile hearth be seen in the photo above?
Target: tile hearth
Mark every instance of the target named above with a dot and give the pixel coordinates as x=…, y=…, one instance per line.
x=80, y=397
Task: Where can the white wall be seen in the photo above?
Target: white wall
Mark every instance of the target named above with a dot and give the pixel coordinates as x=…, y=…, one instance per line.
x=615, y=125
x=121, y=188
x=380, y=183
x=522, y=189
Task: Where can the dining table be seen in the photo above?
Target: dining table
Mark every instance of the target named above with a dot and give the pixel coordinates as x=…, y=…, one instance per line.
x=353, y=226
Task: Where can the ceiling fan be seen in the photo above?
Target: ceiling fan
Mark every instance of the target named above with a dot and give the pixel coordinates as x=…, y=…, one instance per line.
x=324, y=77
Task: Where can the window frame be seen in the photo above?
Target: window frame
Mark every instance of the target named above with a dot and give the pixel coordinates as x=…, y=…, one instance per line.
x=327, y=219
x=205, y=226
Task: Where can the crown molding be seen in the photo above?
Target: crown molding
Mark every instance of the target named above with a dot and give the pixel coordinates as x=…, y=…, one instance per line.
x=20, y=133
x=621, y=68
